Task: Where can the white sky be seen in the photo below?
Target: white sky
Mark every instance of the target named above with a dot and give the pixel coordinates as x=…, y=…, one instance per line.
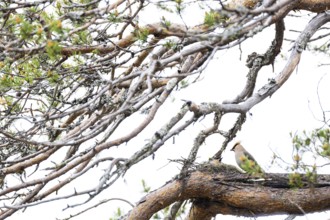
x=265, y=131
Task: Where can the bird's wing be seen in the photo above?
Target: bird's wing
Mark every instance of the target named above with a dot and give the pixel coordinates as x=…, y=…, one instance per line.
x=249, y=156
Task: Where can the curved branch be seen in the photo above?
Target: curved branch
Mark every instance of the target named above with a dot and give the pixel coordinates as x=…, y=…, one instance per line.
x=223, y=190
x=276, y=83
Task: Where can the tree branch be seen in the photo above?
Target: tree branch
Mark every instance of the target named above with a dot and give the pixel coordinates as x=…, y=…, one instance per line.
x=224, y=190
x=269, y=89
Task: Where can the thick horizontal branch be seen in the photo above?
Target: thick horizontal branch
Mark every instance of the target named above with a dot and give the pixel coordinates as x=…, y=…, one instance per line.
x=308, y=5
x=227, y=191
x=314, y=5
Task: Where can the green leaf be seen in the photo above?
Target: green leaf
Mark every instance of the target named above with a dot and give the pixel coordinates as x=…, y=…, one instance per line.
x=295, y=180
x=26, y=29
x=212, y=18
x=146, y=188
x=53, y=48
x=141, y=34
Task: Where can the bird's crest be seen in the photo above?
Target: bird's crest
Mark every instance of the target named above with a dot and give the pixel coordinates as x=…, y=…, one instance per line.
x=237, y=143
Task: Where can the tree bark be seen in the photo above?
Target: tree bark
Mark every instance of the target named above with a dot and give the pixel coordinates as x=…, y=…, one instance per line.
x=224, y=190
x=314, y=5
x=308, y=5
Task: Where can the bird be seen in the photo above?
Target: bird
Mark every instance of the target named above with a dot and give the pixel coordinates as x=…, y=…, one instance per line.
x=245, y=160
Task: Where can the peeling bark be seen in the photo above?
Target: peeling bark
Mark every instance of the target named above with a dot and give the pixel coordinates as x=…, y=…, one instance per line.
x=224, y=190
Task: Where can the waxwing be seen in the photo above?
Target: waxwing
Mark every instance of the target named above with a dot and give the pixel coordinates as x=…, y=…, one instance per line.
x=245, y=160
